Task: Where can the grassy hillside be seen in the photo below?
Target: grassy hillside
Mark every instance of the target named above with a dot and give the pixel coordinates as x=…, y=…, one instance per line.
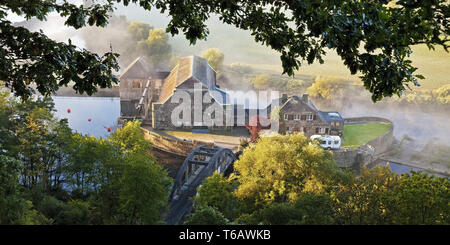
x=239, y=46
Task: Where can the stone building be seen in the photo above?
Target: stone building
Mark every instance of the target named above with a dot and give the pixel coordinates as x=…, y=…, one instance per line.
x=134, y=98
x=157, y=97
x=300, y=115
x=188, y=97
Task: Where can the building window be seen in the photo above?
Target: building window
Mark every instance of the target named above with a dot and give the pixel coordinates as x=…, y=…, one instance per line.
x=290, y=129
x=321, y=130
x=286, y=117
x=309, y=117
x=296, y=117
x=337, y=123
x=332, y=123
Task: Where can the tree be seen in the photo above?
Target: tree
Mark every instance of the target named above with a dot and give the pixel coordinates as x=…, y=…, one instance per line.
x=216, y=192
x=261, y=81
x=144, y=191
x=309, y=209
x=372, y=38
x=443, y=94
x=368, y=199
x=7, y=105
x=205, y=215
x=329, y=88
x=31, y=57
x=156, y=46
x=12, y=205
x=139, y=30
x=315, y=209
x=215, y=58
x=40, y=141
x=272, y=214
x=282, y=168
x=115, y=180
x=88, y=157
x=422, y=199
x=294, y=84
x=143, y=186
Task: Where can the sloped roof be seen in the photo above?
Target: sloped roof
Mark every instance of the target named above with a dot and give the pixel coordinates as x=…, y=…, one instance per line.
x=330, y=116
x=326, y=116
x=191, y=68
x=138, y=69
x=295, y=100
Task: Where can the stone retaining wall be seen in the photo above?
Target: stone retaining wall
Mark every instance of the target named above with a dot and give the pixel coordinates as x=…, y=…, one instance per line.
x=367, y=153
x=171, y=144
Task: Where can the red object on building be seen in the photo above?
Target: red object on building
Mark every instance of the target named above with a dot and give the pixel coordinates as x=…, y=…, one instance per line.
x=68, y=110
x=89, y=119
x=254, y=126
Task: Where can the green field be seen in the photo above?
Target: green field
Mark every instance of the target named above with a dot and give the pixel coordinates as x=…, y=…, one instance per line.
x=358, y=134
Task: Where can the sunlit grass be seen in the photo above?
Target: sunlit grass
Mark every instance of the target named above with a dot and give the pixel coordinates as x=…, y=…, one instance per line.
x=356, y=135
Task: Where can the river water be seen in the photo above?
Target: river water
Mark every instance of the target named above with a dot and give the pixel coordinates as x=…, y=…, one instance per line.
x=401, y=169
x=103, y=112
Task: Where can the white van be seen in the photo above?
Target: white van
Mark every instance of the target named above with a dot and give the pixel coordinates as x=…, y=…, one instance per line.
x=328, y=141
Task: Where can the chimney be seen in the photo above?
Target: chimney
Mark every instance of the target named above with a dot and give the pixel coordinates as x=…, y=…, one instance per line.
x=284, y=98
x=305, y=98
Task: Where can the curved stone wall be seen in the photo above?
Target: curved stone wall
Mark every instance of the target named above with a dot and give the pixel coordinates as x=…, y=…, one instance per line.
x=365, y=154
x=381, y=143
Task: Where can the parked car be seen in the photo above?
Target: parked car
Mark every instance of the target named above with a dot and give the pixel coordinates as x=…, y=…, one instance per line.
x=328, y=141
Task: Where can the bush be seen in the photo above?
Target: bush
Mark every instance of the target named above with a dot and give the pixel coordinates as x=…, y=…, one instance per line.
x=206, y=215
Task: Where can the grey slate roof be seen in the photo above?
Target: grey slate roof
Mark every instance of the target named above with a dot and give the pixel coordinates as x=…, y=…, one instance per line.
x=330, y=116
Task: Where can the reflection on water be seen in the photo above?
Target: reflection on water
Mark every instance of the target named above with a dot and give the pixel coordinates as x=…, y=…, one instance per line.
x=103, y=112
x=401, y=169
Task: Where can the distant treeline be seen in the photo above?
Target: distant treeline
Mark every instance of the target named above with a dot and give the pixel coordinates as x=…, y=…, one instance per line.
x=324, y=89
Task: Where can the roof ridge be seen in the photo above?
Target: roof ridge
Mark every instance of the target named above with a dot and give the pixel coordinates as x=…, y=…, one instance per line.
x=129, y=66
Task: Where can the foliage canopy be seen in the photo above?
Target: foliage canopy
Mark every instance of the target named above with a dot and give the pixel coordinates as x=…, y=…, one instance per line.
x=373, y=38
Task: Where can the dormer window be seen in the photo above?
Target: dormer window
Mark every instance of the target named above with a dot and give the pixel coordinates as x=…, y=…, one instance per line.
x=296, y=117
x=286, y=117
x=309, y=117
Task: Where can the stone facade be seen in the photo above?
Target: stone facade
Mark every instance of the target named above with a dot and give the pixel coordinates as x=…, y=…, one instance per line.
x=163, y=112
x=155, y=96
x=300, y=115
x=133, y=83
